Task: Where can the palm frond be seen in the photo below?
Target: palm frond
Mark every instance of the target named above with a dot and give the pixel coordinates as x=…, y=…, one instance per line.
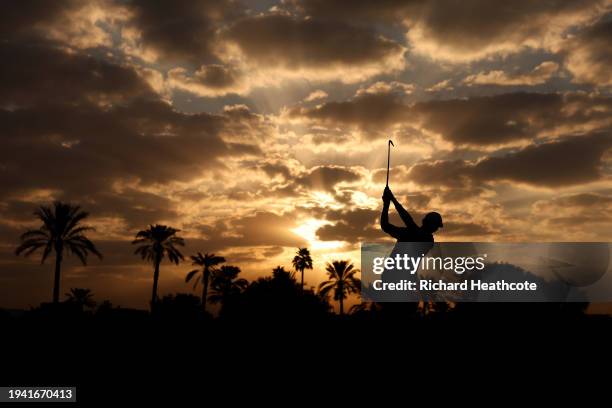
x=28, y=249
x=79, y=231
x=37, y=233
x=79, y=252
x=34, y=243
x=75, y=217
x=46, y=252
x=191, y=274
x=83, y=243
x=327, y=284
x=61, y=229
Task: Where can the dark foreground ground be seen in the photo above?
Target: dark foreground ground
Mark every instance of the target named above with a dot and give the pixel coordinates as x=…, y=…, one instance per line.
x=179, y=353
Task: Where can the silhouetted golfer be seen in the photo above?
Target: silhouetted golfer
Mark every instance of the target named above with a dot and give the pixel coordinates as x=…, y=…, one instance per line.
x=412, y=240
x=411, y=232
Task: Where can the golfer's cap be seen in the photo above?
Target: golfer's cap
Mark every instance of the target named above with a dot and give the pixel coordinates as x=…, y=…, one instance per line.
x=435, y=218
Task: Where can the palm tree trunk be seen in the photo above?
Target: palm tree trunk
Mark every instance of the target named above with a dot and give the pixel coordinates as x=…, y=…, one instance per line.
x=205, y=288
x=302, y=280
x=341, y=300
x=56, y=279
x=155, y=280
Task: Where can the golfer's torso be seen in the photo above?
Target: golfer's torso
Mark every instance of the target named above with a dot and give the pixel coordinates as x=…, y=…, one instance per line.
x=414, y=244
x=417, y=235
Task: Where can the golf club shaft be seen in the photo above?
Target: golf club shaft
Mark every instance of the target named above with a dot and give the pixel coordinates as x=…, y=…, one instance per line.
x=388, y=161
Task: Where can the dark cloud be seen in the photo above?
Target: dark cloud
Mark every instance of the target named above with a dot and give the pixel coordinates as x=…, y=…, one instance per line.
x=569, y=161
x=585, y=200
x=70, y=24
x=476, y=121
x=44, y=74
x=418, y=200
x=184, y=30
x=319, y=178
x=58, y=147
x=456, y=194
x=289, y=42
x=325, y=178
x=510, y=117
x=491, y=119
x=137, y=208
x=465, y=30
x=19, y=16
x=240, y=125
x=366, y=111
x=576, y=207
x=351, y=226
x=573, y=160
x=216, y=76
x=209, y=80
x=358, y=10
x=273, y=169
x=589, y=55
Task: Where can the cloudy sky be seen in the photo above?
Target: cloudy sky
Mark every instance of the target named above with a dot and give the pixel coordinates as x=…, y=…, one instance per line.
x=258, y=127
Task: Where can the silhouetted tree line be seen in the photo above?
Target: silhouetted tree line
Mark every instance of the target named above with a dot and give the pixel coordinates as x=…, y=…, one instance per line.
x=278, y=297
x=63, y=233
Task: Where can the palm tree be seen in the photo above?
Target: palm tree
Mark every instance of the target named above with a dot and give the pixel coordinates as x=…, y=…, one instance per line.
x=226, y=283
x=154, y=243
x=81, y=297
x=208, y=263
x=369, y=307
x=61, y=232
x=302, y=261
x=341, y=280
x=281, y=273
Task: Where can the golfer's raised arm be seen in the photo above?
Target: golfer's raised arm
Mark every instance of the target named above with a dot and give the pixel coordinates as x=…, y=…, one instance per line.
x=384, y=222
x=404, y=215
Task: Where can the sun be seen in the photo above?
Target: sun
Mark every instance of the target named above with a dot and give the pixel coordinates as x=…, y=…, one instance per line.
x=308, y=231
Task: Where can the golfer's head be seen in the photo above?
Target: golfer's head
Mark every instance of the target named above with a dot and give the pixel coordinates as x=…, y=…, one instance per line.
x=432, y=221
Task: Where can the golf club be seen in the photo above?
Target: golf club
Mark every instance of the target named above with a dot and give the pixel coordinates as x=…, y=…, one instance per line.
x=389, y=159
